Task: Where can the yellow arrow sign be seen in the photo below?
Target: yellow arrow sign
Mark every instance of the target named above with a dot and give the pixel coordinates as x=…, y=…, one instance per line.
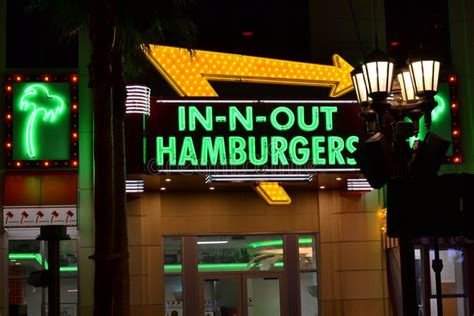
x=189, y=74
x=273, y=193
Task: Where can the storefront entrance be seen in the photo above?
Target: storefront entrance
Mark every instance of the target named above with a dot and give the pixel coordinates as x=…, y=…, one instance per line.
x=241, y=275
x=242, y=294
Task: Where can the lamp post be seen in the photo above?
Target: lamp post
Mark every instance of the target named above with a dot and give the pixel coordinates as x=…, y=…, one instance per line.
x=386, y=113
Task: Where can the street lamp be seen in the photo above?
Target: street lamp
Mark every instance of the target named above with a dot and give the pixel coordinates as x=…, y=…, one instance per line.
x=418, y=82
x=425, y=79
x=414, y=87
x=417, y=85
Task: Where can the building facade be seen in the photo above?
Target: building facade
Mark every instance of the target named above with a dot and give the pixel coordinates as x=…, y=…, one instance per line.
x=200, y=247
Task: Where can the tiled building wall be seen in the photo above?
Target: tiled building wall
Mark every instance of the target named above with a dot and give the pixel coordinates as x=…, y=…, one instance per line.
x=352, y=275
x=86, y=183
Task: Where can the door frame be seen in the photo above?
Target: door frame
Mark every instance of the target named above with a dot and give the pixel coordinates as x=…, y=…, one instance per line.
x=241, y=279
x=218, y=276
x=280, y=275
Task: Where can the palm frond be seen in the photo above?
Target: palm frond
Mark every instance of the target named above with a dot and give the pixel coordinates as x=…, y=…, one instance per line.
x=67, y=17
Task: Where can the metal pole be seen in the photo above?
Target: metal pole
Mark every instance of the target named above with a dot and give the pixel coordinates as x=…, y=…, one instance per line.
x=53, y=288
x=437, y=265
x=407, y=265
x=53, y=234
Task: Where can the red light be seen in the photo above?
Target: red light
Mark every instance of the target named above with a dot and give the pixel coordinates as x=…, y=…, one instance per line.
x=74, y=106
x=75, y=163
x=18, y=78
x=247, y=34
x=74, y=78
x=457, y=160
x=8, y=116
x=74, y=135
x=46, y=78
x=395, y=44
x=456, y=132
x=454, y=106
x=18, y=164
x=452, y=79
x=46, y=164
x=9, y=145
x=9, y=88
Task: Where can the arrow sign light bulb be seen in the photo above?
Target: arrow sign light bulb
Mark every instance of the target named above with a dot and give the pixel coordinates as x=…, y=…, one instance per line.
x=189, y=74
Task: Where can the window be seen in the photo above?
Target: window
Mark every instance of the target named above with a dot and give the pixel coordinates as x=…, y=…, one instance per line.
x=240, y=253
x=26, y=256
x=452, y=281
x=173, y=279
x=308, y=275
x=228, y=274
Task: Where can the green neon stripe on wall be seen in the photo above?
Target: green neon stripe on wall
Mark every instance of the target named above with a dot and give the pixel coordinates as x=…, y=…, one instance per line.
x=39, y=259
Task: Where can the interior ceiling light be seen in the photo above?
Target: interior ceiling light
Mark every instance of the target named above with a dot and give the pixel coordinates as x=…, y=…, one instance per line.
x=273, y=193
x=258, y=178
x=212, y=242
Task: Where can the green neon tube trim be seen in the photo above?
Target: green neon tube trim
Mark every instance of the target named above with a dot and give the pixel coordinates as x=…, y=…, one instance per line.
x=173, y=268
x=224, y=266
x=68, y=269
x=436, y=113
x=39, y=259
x=278, y=242
x=215, y=267
x=38, y=100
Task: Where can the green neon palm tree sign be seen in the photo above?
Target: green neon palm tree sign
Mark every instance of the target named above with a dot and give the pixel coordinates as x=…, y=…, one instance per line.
x=41, y=104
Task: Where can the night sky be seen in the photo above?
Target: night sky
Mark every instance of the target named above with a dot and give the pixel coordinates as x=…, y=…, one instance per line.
x=269, y=28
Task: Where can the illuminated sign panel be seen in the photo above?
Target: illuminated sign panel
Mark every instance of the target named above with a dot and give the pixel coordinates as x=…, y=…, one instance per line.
x=189, y=74
x=441, y=121
x=192, y=136
x=42, y=122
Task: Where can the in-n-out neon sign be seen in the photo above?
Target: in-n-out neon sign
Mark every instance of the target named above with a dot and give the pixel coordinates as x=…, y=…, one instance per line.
x=245, y=136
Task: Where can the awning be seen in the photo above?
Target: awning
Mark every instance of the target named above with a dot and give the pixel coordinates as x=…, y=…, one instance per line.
x=41, y=198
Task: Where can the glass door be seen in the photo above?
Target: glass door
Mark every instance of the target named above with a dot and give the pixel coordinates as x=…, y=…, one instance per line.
x=242, y=294
x=221, y=294
x=263, y=295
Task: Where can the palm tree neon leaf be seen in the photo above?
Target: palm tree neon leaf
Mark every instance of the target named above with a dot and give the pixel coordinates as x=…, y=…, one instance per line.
x=37, y=100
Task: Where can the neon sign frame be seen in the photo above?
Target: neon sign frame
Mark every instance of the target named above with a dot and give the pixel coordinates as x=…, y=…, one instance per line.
x=41, y=83
x=156, y=165
x=48, y=115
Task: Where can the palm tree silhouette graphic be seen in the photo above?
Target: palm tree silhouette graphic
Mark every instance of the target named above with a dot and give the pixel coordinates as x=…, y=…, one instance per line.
x=39, y=102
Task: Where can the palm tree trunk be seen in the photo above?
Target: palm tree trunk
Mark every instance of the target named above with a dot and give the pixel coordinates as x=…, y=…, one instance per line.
x=122, y=286
x=102, y=23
